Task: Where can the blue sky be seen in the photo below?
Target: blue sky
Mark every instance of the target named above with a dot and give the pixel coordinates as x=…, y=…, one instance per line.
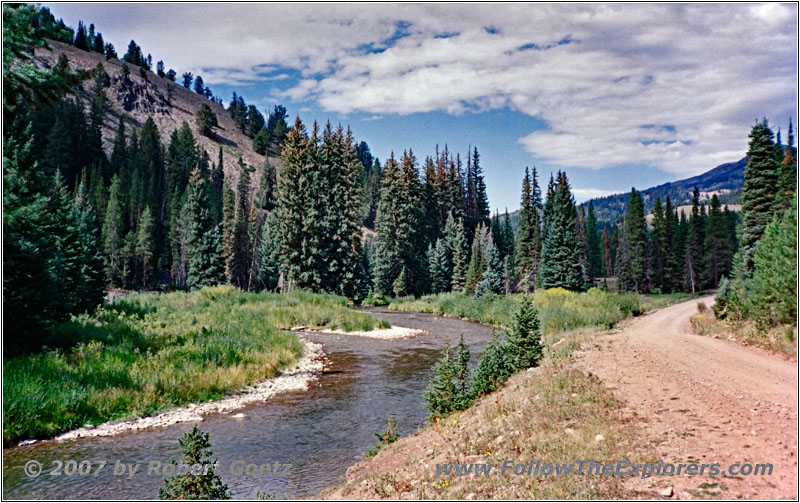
x=618, y=95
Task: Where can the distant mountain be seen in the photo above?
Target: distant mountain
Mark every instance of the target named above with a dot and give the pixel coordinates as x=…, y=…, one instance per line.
x=726, y=180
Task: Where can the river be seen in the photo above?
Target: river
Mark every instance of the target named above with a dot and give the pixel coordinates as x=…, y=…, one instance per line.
x=319, y=432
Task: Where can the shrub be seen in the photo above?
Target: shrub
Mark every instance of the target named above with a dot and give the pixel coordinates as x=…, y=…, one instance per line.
x=385, y=437
x=493, y=368
x=441, y=393
x=196, y=448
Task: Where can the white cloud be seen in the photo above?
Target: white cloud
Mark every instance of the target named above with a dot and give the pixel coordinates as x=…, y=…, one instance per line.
x=700, y=74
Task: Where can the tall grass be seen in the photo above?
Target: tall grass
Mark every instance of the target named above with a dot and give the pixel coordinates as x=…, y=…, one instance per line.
x=559, y=309
x=149, y=352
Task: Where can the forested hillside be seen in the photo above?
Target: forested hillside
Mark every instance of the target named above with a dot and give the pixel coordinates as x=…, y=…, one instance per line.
x=726, y=181
x=115, y=176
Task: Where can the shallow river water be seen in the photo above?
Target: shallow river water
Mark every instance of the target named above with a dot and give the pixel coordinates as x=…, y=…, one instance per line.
x=319, y=432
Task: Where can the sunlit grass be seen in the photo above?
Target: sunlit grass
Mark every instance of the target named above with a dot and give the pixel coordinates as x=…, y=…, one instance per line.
x=559, y=309
x=149, y=352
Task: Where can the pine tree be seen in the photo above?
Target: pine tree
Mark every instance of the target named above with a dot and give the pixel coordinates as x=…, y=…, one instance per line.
x=492, y=370
x=760, y=188
x=91, y=288
x=398, y=227
x=608, y=257
x=594, y=252
x=461, y=374
x=204, y=246
x=206, y=120
x=670, y=248
x=524, y=341
x=787, y=173
x=695, y=242
x=456, y=243
x=636, y=241
x=113, y=237
x=241, y=251
x=492, y=278
x=439, y=266
x=529, y=237
x=145, y=247
x=622, y=262
x=717, y=245
x=561, y=251
x=657, y=250
x=196, y=448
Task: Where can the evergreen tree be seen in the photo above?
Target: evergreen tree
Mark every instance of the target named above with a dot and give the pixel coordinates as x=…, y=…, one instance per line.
x=241, y=251
x=772, y=289
x=461, y=374
x=594, y=252
x=199, y=85
x=206, y=120
x=636, y=241
x=439, y=266
x=113, y=237
x=695, y=241
x=204, y=245
x=442, y=393
x=561, y=251
x=760, y=188
x=524, y=346
x=196, y=448
x=608, y=257
x=492, y=279
x=717, y=245
x=145, y=247
x=529, y=238
x=787, y=173
x=81, y=41
x=91, y=288
x=670, y=248
x=398, y=227
x=187, y=79
x=456, y=242
x=492, y=370
x=622, y=262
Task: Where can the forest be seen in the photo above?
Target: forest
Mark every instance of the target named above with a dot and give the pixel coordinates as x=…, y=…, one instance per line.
x=159, y=213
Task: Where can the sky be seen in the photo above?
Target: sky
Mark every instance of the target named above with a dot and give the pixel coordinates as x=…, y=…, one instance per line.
x=617, y=95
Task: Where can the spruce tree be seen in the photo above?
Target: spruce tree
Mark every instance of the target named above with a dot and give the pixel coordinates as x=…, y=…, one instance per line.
x=718, y=254
x=492, y=278
x=204, y=245
x=113, y=237
x=695, y=244
x=241, y=251
x=759, y=191
x=456, y=243
x=524, y=346
x=91, y=289
x=636, y=242
x=561, y=251
x=493, y=368
x=528, y=246
x=145, y=247
x=196, y=448
x=672, y=254
x=439, y=266
x=594, y=252
x=787, y=173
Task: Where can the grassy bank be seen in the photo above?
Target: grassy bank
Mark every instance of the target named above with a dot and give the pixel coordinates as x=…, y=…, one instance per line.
x=554, y=413
x=559, y=309
x=150, y=352
x=781, y=339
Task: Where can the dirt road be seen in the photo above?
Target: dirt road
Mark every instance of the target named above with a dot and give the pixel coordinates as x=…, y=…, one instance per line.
x=703, y=400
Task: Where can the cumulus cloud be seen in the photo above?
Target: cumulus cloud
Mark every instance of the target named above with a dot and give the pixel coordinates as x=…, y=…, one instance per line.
x=670, y=86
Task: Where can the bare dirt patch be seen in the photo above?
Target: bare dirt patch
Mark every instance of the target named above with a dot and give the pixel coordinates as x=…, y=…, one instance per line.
x=702, y=400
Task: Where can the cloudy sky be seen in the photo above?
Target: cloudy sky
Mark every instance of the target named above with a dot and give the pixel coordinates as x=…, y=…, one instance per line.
x=618, y=95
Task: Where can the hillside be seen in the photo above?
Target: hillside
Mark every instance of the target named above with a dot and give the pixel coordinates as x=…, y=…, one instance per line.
x=726, y=180
x=137, y=99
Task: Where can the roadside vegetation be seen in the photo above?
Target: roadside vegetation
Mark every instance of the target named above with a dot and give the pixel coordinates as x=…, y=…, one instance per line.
x=146, y=353
x=550, y=412
x=558, y=309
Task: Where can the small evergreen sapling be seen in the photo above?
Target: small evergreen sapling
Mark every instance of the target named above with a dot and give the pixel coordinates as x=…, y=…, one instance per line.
x=208, y=485
x=524, y=340
x=493, y=368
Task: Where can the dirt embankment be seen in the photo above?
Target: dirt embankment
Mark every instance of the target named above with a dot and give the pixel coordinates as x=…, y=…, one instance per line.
x=663, y=394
